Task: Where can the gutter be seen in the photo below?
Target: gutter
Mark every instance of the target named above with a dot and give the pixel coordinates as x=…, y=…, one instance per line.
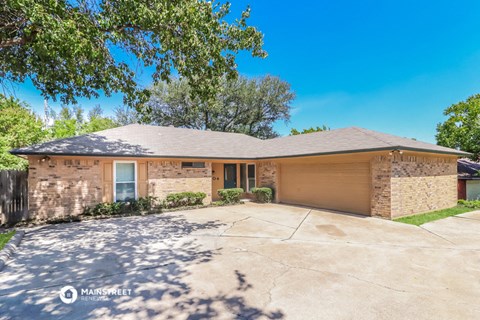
x=31, y=153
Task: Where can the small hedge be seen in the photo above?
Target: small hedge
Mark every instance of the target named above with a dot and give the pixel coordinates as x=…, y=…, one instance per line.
x=473, y=204
x=230, y=195
x=114, y=208
x=184, y=199
x=263, y=194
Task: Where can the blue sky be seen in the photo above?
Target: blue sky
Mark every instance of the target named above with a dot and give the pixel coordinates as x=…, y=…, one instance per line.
x=391, y=66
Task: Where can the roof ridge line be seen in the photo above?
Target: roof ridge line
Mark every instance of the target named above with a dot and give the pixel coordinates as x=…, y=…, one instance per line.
x=371, y=135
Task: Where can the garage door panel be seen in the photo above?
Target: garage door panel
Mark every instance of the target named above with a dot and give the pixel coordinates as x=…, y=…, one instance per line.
x=341, y=186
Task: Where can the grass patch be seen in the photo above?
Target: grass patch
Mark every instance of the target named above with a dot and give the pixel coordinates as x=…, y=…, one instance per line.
x=5, y=237
x=420, y=219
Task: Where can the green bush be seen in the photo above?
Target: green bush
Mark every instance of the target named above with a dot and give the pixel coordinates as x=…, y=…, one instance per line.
x=230, y=195
x=144, y=204
x=114, y=208
x=474, y=204
x=184, y=199
x=105, y=209
x=263, y=194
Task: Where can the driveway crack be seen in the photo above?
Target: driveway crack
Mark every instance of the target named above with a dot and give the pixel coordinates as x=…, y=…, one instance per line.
x=233, y=224
x=298, y=227
x=289, y=267
x=467, y=218
x=435, y=234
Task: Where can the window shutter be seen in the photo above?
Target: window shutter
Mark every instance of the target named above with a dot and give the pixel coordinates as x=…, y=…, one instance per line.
x=107, y=182
x=142, y=179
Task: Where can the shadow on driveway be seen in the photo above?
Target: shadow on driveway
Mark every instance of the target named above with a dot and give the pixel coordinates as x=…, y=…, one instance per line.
x=149, y=255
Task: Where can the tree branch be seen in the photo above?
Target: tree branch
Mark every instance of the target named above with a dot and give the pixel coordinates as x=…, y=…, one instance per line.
x=7, y=43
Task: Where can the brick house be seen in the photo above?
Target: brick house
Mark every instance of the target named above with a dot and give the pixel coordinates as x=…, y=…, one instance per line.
x=468, y=179
x=352, y=169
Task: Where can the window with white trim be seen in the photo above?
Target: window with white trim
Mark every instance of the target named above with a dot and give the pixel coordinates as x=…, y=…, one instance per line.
x=247, y=176
x=125, y=184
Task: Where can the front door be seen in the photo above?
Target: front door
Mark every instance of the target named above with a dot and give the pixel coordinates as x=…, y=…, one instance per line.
x=230, y=176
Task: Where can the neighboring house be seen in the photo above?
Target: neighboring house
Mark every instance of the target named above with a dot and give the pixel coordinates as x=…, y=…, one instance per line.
x=352, y=169
x=468, y=179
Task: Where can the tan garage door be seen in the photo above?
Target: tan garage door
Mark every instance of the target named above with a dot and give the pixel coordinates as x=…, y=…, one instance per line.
x=337, y=186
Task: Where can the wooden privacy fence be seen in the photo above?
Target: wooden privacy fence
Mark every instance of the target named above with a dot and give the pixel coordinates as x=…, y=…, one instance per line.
x=13, y=196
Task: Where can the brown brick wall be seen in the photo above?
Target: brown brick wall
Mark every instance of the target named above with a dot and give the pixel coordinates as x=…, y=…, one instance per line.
x=267, y=175
x=421, y=184
x=59, y=187
x=409, y=184
x=381, y=169
x=165, y=177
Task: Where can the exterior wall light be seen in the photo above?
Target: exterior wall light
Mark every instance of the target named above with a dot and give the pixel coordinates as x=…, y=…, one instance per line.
x=395, y=150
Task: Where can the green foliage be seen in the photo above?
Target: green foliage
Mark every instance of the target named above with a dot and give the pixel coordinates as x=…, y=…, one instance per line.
x=125, y=115
x=144, y=204
x=116, y=208
x=183, y=199
x=19, y=127
x=420, y=219
x=295, y=132
x=97, y=122
x=473, y=204
x=5, y=237
x=64, y=47
x=230, y=195
x=462, y=128
x=249, y=106
x=263, y=194
x=71, y=122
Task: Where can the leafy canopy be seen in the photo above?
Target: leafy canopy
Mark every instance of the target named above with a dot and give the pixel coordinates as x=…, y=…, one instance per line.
x=65, y=47
x=295, y=132
x=462, y=128
x=19, y=127
x=249, y=106
x=71, y=122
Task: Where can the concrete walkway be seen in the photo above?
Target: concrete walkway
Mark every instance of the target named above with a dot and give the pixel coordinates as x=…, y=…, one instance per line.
x=250, y=262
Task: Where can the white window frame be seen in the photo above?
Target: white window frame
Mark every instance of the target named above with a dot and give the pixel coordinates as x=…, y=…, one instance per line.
x=246, y=176
x=115, y=177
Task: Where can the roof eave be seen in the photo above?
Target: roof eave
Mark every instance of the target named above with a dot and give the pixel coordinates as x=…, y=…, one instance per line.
x=113, y=155
x=459, y=153
x=390, y=148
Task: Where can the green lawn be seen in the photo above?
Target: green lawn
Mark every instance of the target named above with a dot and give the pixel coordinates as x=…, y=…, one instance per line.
x=4, y=237
x=434, y=215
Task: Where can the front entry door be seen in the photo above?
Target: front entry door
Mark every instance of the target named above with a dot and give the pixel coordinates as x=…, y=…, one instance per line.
x=230, y=176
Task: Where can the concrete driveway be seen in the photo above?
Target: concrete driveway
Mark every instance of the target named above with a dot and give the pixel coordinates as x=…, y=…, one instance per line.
x=248, y=261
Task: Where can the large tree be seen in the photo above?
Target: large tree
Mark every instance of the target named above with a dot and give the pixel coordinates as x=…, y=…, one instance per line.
x=462, y=128
x=249, y=106
x=20, y=127
x=125, y=115
x=295, y=132
x=70, y=121
x=66, y=47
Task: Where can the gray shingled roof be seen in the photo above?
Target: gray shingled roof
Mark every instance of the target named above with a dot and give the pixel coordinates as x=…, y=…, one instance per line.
x=154, y=141
x=468, y=169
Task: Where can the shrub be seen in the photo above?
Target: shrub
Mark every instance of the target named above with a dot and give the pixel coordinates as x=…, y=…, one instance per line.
x=106, y=209
x=183, y=199
x=144, y=204
x=230, y=195
x=263, y=194
x=474, y=204
x=114, y=208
